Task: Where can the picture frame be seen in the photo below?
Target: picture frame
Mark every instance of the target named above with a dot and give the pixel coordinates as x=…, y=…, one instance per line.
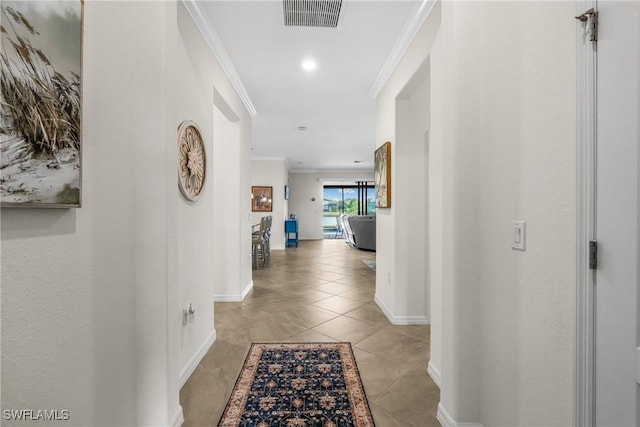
x=40, y=128
x=261, y=199
x=382, y=175
x=286, y=192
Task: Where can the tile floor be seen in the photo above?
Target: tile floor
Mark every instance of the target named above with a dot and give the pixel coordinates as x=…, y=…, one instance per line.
x=320, y=291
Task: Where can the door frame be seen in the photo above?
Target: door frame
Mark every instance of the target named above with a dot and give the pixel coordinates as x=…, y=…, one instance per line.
x=586, y=197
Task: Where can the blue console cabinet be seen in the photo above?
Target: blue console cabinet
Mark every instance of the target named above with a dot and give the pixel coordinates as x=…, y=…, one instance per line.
x=291, y=232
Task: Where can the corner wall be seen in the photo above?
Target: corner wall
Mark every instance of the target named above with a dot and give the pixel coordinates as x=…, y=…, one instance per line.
x=92, y=298
x=503, y=120
x=214, y=233
x=403, y=117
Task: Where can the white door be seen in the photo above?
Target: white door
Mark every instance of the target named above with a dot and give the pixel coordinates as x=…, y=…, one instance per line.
x=617, y=228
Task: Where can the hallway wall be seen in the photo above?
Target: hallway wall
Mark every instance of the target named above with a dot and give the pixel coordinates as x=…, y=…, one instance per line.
x=214, y=233
x=512, y=133
x=402, y=117
x=503, y=119
x=230, y=234
x=412, y=284
x=91, y=309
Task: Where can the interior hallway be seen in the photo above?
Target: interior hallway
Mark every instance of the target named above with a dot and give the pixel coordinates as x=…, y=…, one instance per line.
x=320, y=291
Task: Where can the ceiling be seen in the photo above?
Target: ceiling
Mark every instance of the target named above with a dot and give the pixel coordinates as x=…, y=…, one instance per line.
x=334, y=102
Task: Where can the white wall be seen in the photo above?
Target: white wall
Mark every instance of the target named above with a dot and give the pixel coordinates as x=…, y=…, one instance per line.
x=411, y=292
x=272, y=173
x=92, y=297
x=436, y=206
x=214, y=240
x=309, y=185
x=527, y=173
x=230, y=219
x=503, y=124
x=402, y=117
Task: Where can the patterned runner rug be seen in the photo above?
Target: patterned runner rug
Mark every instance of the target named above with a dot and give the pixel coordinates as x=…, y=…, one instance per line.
x=298, y=385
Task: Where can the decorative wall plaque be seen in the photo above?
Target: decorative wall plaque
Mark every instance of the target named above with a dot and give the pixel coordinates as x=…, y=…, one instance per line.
x=192, y=160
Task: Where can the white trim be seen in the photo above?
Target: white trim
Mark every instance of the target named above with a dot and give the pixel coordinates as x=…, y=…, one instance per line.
x=269, y=159
x=234, y=298
x=178, y=418
x=447, y=420
x=384, y=308
x=400, y=320
x=410, y=320
x=584, y=378
x=421, y=11
x=638, y=371
x=214, y=42
x=193, y=363
x=363, y=170
x=434, y=373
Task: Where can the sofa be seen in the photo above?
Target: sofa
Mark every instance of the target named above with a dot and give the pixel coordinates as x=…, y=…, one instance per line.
x=360, y=231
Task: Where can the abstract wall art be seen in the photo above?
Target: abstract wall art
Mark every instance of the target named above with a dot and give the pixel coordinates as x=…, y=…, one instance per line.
x=382, y=175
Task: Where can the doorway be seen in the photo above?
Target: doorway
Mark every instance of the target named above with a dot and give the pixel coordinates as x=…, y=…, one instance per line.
x=608, y=350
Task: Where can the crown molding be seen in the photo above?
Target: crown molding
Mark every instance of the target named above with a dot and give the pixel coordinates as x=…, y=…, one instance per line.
x=214, y=42
x=418, y=17
x=270, y=159
x=367, y=172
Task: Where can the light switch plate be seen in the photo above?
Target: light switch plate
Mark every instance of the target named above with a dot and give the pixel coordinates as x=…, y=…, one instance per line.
x=519, y=235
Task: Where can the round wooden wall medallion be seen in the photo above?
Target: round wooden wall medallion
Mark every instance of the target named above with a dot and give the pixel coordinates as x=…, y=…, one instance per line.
x=192, y=160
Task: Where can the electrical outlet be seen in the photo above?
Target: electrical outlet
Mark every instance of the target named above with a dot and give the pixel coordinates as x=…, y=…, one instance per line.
x=188, y=315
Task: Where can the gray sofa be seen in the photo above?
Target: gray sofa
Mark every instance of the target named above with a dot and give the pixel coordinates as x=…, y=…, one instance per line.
x=360, y=231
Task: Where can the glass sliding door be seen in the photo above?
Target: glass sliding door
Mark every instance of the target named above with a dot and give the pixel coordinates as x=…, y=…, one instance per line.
x=356, y=199
x=371, y=200
x=332, y=208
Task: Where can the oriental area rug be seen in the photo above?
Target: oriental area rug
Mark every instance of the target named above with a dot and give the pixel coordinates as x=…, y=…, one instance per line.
x=298, y=385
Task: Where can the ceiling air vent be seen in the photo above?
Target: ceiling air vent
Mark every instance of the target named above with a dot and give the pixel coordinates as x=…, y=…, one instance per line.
x=311, y=13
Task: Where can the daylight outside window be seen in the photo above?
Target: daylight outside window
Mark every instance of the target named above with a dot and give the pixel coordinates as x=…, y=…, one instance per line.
x=345, y=199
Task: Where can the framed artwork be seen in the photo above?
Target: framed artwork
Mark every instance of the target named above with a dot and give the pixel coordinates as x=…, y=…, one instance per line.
x=40, y=119
x=382, y=175
x=261, y=199
x=286, y=192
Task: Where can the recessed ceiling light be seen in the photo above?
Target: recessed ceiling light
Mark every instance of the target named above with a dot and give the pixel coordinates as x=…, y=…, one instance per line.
x=309, y=65
x=302, y=128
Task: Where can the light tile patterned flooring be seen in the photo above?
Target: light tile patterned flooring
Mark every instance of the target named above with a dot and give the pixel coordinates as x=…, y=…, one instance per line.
x=320, y=291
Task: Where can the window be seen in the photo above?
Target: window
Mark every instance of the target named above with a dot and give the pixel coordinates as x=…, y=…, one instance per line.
x=356, y=199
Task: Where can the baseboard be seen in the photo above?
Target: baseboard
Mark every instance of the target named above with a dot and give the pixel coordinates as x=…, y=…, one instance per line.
x=234, y=298
x=434, y=373
x=400, y=320
x=447, y=420
x=384, y=308
x=410, y=320
x=193, y=363
x=246, y=291
x=178, y=418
